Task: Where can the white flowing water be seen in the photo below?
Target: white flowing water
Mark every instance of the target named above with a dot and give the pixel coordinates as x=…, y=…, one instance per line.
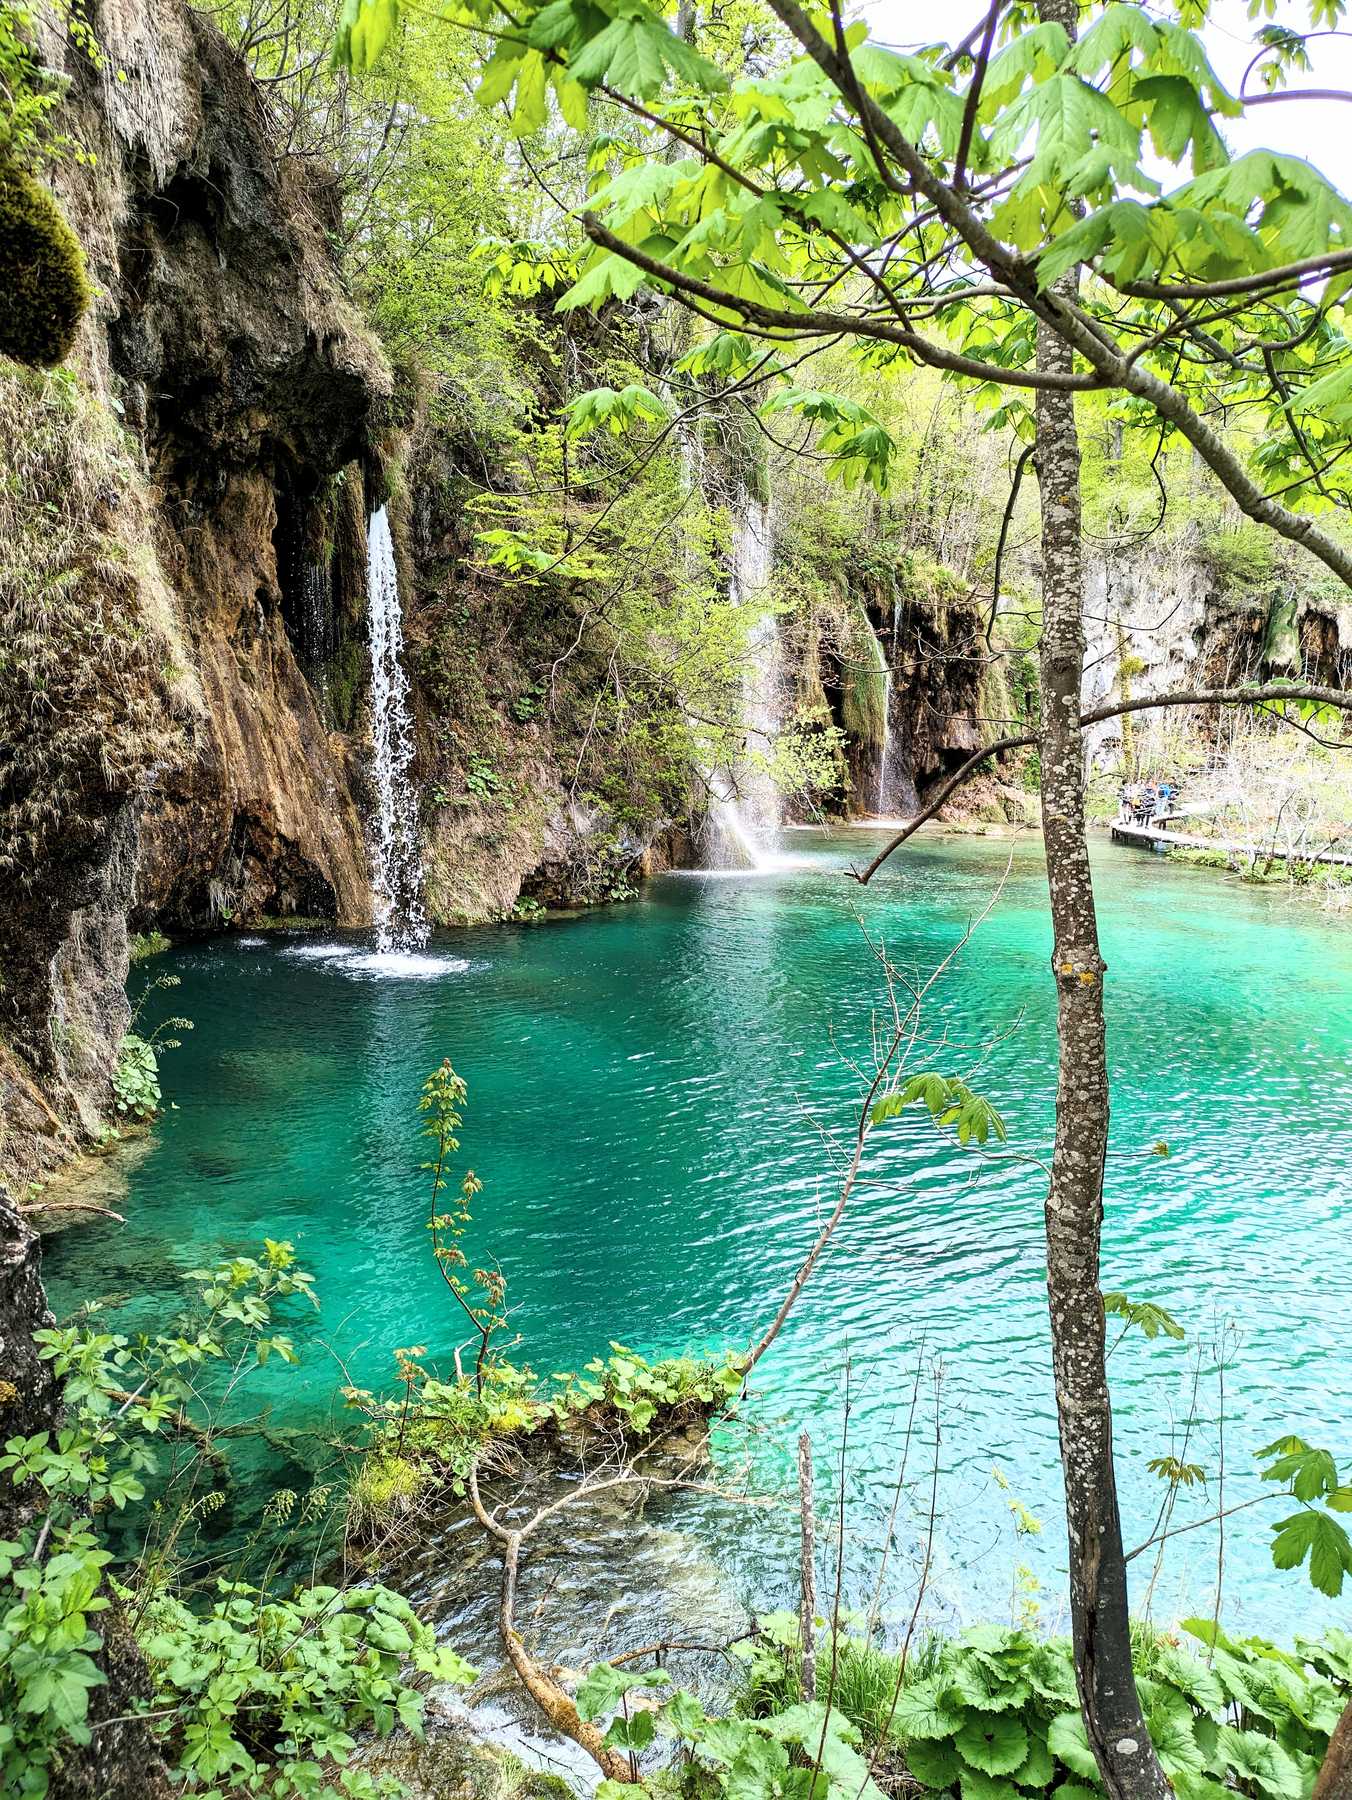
x=744, y=805
x=889, y=655
x=396, y=858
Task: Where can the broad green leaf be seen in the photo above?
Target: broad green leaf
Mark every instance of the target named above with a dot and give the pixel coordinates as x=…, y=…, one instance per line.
x=924, y=1711
x=994, y=1743
x=1323, y=1540
x=1069, y=1744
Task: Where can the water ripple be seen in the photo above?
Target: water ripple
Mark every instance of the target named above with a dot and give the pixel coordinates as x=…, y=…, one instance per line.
x=648, y=1093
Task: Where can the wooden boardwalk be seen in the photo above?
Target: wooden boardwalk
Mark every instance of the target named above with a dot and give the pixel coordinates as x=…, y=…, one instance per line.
x=1156, y=837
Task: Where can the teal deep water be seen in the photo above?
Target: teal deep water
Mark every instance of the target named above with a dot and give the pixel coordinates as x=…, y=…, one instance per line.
x=648, y=1091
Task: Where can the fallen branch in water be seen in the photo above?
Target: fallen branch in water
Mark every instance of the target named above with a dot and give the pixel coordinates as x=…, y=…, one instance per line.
x=557, y=1705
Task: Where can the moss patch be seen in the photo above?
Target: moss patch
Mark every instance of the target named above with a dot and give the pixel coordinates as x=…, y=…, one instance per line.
x=42, y=274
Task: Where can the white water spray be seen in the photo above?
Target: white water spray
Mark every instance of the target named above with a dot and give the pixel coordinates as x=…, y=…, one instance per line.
x=889, y=656
x=744, y=809
x=396, y=860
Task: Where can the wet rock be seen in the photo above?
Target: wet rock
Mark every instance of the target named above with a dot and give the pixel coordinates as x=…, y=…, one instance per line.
x=477, y=1757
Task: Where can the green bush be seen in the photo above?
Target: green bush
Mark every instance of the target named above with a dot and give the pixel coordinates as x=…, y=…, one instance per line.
x=43, y=287
x=995, y=1712
x=143, y=944
x=254, y=1689
x=637, y=1392
x=136, y=1079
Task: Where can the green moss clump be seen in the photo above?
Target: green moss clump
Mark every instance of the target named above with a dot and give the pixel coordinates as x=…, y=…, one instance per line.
x=42, y=274
x=146, y=943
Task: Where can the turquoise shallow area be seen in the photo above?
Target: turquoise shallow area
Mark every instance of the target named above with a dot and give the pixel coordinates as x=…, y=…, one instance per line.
x=643, y=1086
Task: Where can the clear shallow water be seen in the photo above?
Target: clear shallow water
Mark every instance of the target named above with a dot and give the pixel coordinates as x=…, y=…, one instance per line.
x=643, y=1083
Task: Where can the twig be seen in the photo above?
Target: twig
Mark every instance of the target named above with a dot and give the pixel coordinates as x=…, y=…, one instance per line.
x=807, y=1606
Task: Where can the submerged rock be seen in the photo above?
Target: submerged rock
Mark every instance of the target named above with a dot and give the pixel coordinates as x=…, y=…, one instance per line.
x=476, y=1757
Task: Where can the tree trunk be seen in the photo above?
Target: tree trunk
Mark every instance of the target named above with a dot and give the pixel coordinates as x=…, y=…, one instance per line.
x=1335, y=1774
x=1074, y=1213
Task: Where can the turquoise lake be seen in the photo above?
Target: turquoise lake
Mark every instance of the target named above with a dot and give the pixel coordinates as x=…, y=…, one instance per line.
x=646, y=1088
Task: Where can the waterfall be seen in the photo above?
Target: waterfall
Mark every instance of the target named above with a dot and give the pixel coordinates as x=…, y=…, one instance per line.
x=744, y=811
x=396, y=861
x=889, y=675
x=880, y=803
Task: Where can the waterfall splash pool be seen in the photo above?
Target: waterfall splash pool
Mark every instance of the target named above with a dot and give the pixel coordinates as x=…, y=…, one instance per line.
x=645, y=1086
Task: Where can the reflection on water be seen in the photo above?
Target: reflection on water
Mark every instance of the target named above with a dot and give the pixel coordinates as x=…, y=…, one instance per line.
x=655, y=1093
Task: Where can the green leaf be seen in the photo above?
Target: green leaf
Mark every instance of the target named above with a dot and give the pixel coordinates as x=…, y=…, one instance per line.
x=758, y=1771
x=1190, y=1675
x=924, y=1711
x=973, y=1784
x=612, y=275
x=1037, y=1770
x=633, y=54
x=993, y=1743
x=1309, y=1473
x=1151, y=1320
x=1052, y=1674
x=1169, y=1720
x=365, y=27
x=986, y=1684
x=1069, y=1744
x=1323, y=1540
x=603, y=1687
x=633, y=1733
x=934, y=1763
x=1261, y=1760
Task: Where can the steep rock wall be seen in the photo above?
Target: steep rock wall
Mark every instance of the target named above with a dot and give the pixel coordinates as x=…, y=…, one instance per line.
x=896, y=661
x=184, y=709
x=170, y=760
x=1177, y=614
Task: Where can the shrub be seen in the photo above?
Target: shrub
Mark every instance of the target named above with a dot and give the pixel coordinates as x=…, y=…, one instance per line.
x=253, y=1689
x=42, y=274
x=136, y=1079
x=994, y=1712
x=143, y=944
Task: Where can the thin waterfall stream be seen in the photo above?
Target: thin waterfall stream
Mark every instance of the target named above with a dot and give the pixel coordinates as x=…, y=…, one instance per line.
x=396, y=855
x=744, y=802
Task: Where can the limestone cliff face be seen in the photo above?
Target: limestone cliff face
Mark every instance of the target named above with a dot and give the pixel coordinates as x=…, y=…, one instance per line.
x=184, y=700
x=1174, y=614
x=895, y=660
x=167, y=758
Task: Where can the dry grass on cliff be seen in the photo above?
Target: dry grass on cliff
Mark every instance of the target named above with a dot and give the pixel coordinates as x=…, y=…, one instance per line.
x=91, y=673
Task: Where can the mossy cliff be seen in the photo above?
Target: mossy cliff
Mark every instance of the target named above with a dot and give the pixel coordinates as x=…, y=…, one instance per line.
x=183, y=668
x=169, y=762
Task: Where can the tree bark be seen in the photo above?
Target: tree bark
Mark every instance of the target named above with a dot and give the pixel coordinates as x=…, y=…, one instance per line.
x=1334, y=1781
x=1100, y=1622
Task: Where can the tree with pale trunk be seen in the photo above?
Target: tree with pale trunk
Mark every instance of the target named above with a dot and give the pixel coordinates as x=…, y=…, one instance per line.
x=992, y=209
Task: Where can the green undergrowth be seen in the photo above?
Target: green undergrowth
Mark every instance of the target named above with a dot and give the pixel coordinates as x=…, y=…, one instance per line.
x=425, y=1439
x=1266, y=871
x=144, y=944
x=989, y=1715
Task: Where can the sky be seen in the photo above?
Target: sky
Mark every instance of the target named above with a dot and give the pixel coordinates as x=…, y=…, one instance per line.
x=1320, y=130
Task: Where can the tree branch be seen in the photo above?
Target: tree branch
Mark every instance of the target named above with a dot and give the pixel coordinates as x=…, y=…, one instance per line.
x=1228, y=696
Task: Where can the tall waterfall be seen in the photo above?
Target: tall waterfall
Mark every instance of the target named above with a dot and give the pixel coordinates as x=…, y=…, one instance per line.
x=396, y=860
x=889, y=655
x=744, y=808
